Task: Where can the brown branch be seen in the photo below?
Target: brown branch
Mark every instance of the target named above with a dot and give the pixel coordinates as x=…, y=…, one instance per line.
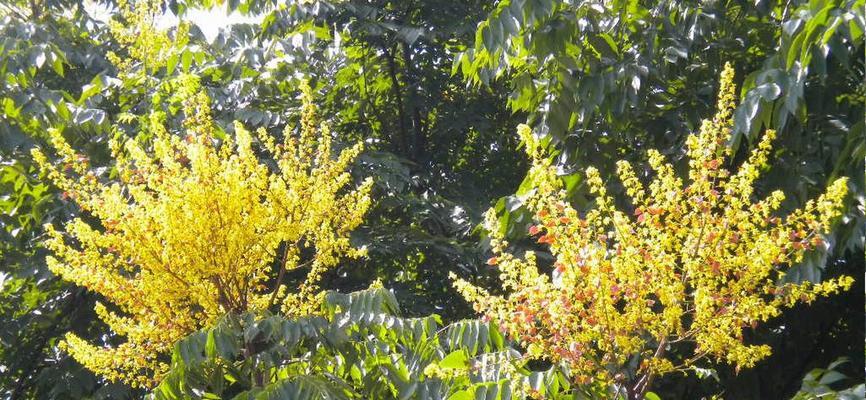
x=420, y=139
x=280, y=276
x=402, y=147
x=274, y=298
x=639, y=390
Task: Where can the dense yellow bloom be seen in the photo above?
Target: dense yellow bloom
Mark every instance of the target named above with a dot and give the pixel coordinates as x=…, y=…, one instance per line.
x=143, y=42
x=194, y=227
x=695, y=262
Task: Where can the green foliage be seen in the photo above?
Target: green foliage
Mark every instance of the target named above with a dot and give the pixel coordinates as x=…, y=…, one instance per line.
x=359, y=348
x=601, y=78
x=442, y=152
x=819, y=383
x=436, y=97
x=44, y=62
x=598, y=100
x=422, y=225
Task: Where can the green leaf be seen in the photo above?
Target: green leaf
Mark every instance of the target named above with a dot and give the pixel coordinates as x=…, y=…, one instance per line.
x=458, y=359
x=186, y=60
x=171, y=63
x=768, y=91
x=37, y=58
x=57, y=64
x=605, y=45
x=465, y=394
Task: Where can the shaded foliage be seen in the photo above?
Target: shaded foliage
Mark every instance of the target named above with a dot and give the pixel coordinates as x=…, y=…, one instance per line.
x=360, y=348
x=600, y=79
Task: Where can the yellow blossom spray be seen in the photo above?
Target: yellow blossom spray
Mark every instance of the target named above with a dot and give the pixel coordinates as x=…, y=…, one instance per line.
x=193, y=228
x=695, y=262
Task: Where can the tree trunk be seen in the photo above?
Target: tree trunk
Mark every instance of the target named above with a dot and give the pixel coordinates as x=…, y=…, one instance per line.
x=401, y=145
x=420, y=138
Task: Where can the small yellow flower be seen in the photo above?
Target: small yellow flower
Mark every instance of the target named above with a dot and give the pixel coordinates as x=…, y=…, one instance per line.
x=690, y=262
x=193, y=229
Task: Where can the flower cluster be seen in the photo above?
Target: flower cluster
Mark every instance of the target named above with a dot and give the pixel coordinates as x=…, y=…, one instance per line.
x=143, y=42
x=194, y=225
x=696, y=262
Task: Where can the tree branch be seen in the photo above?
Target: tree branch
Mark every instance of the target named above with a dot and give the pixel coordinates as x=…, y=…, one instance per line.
x=401, y=142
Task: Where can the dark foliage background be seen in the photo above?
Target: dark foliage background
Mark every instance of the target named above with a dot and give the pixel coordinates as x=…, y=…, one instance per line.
x=436, y=89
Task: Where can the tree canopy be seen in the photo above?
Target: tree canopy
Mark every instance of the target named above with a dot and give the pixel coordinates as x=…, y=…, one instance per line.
x=186, y=215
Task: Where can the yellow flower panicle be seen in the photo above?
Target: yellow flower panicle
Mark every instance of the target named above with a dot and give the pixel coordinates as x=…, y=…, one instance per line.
x=193, y=229
x=697, y=262
x=143, y=42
